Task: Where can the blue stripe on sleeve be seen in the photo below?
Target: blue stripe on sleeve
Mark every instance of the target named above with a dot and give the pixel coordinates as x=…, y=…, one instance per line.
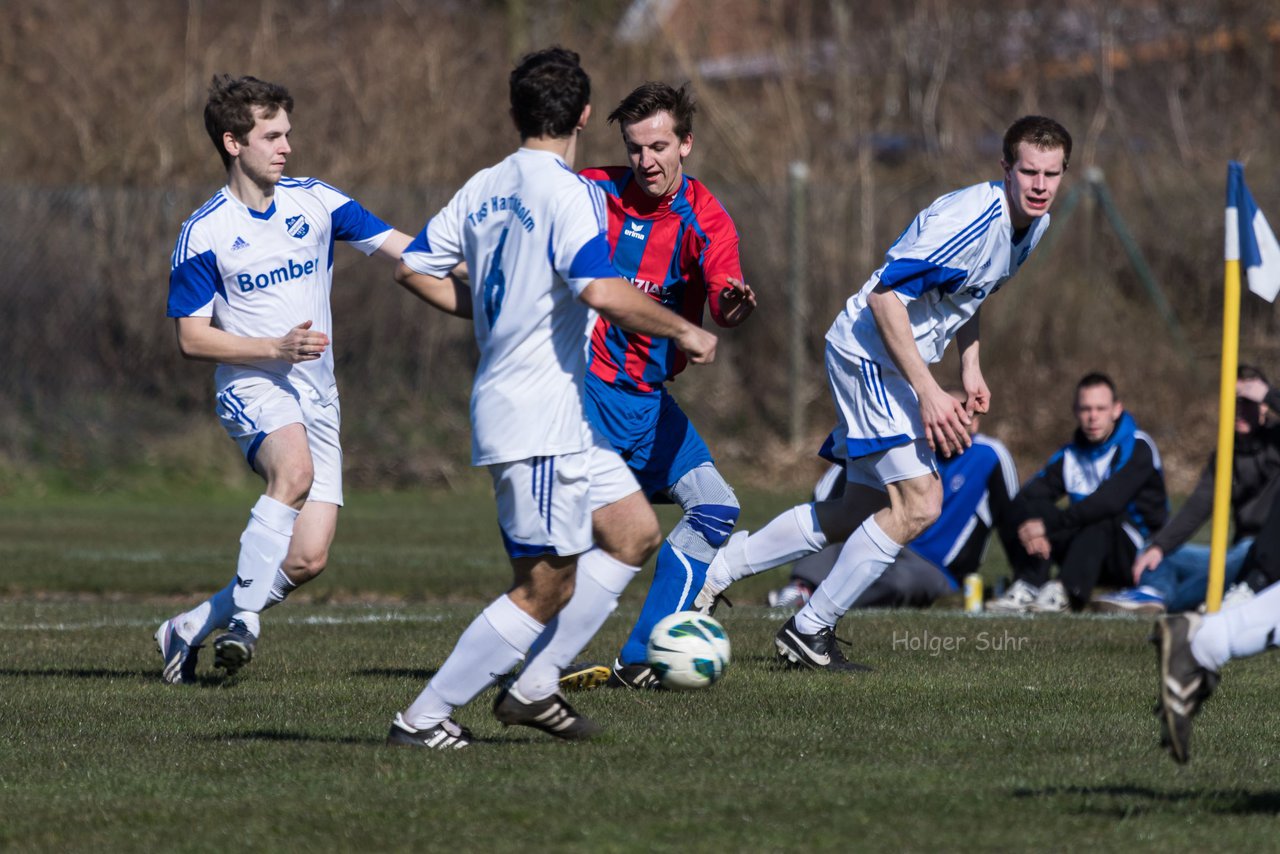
x=420, y=243
x=353, y=222
x=914, y=278
x=192, y=285
x=592, y=260
x=979, y=225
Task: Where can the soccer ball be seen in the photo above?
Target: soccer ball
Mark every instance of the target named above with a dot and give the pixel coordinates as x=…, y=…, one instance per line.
x=688, y=650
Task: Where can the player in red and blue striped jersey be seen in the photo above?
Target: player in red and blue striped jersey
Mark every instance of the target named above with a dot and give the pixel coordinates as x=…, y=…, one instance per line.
x=675, y=242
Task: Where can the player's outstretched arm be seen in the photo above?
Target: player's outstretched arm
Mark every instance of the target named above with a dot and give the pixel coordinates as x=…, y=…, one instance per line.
x=451, y=294
x=393, y=247
x=736, y=301
x=977, y=395
x=945, y=420
x=621, y=304
x=199, y=339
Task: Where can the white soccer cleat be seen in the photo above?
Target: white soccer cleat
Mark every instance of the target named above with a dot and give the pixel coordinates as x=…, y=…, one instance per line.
x=1052, y=599
x=720, y=575
x=1018, y=599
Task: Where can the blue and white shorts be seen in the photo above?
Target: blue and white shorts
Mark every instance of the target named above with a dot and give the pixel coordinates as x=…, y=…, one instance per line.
x=255, y=407
x=880, y=434
x=545, y=503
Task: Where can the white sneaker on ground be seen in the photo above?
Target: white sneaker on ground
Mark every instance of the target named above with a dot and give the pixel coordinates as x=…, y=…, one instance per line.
x=1016, y=600
x=1052, y=599
x=792, y=597
x=1237, y=594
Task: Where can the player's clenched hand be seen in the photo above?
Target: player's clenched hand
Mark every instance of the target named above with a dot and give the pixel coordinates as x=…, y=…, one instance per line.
x=698, y=344
x=737, y=301
x=1148, y=560
x=945, y=422
x=301, y=344
x=977, y=395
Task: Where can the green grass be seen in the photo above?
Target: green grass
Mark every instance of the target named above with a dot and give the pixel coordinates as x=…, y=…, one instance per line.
x=1024, y=734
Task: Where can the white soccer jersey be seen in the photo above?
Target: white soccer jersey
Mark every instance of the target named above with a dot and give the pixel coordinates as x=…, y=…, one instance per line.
x=533, y=235
x=259, y=275
x=955, y=254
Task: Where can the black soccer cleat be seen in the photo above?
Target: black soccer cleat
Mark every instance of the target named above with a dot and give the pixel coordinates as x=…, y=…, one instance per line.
x=554, y=715
x=446, y=735
x=234, y=649
x=1184, y=683
x=819, y=651
x=639, y=676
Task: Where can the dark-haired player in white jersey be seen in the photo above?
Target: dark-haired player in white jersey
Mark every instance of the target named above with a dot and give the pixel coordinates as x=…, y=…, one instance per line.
x=573, y=519
x=893, y=414
x=249, y=290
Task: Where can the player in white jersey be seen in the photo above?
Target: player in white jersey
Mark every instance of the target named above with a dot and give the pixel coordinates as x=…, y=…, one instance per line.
x=576, y=526
x=893, y=415
x=249, y=289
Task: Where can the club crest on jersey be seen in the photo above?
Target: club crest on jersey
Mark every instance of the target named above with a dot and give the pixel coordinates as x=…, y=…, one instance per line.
x=635, y=229
x=297, y=226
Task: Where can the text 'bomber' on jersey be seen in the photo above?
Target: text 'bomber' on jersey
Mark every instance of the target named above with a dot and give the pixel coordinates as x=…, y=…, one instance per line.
x=290, y=271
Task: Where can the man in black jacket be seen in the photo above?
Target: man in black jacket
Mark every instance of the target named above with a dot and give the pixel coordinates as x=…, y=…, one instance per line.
x=1173, y=576
x=1110, y=475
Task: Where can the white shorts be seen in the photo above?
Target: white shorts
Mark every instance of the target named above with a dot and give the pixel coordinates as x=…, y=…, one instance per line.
x=252, y=409
x=879, y=434
x=545, y=503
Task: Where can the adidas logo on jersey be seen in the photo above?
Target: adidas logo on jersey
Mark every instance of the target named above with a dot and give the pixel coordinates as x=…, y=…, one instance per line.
x=634, y=229
x=240, y=243
x=297, y=226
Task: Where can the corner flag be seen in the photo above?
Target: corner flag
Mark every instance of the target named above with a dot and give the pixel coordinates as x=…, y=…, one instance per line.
x=1249, y=239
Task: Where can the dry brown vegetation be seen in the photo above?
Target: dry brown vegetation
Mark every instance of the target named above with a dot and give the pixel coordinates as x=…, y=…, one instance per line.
x=398, y=101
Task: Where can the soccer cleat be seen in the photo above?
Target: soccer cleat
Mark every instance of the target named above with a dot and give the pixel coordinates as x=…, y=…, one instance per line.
x=819, y=651
x=1134, y=600
x=1052, y=599
x=1016, y=600
x=638, y=676
x=583, y=676
x=554, y=715
x=718, y=577
x=1184, y=683
x=446, y=735
x=234, y=649
x=1237, y=594
x=792, y=597
x=179, y=656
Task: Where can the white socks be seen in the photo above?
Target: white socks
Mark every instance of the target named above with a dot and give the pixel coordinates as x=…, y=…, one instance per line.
x=263, y=547
x=866, y=554
x=601, y=579
x=1239, y=632
x=491, y=647
x=792, y=534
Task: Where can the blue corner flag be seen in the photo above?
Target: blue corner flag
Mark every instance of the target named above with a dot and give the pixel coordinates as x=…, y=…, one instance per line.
x=1249, y=239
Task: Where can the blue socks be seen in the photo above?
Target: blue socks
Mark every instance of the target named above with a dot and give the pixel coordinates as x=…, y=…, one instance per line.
x=677, y=578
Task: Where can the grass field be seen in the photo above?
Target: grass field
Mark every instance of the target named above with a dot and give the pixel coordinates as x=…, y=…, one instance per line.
x=973, y=734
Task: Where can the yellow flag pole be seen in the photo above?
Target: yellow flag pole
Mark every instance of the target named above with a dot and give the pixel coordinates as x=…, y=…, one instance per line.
x=1226, y=435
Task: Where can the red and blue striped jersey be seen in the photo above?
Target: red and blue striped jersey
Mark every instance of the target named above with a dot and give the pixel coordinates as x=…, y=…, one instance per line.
x=680, y=250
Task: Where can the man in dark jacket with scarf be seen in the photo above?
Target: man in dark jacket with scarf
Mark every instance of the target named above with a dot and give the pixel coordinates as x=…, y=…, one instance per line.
x=1173, y=576
x=1111, y=476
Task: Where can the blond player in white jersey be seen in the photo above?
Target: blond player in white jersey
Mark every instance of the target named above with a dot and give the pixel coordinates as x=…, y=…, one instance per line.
x=893, y=415
x=574, y=521
x=249, y=290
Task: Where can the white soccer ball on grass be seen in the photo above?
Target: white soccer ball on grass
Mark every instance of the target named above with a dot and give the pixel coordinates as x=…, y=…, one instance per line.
x=688, y=650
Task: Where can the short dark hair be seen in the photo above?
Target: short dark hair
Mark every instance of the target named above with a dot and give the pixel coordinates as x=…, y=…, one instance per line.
x=651, y=98
x=1044, y=133
x=549, y=91
x=230, y=108
x=1250, y=372
x=1097, y=378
